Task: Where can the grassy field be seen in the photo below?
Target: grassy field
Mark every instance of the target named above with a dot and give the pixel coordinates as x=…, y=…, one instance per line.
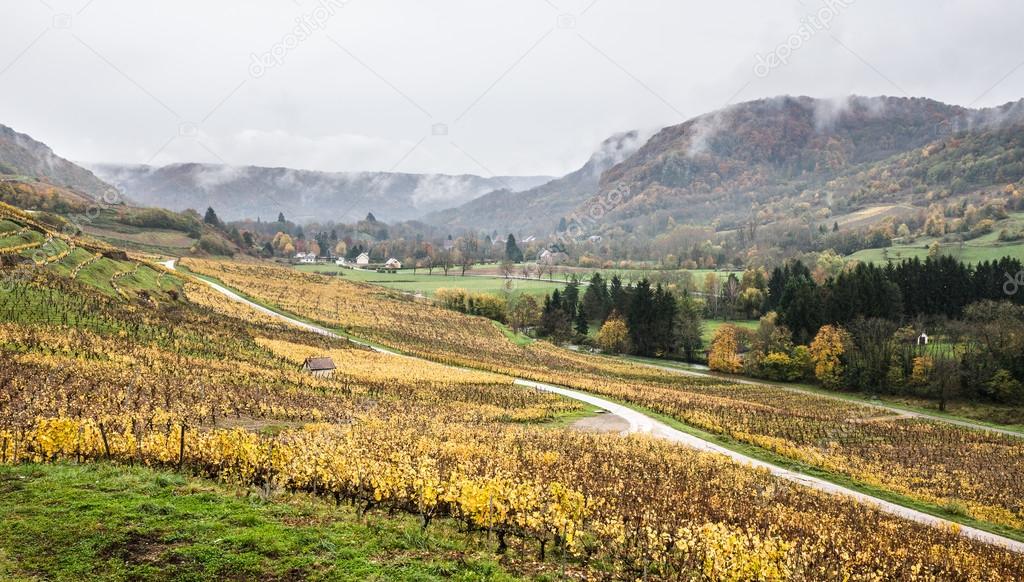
x=74, y=522
x=562, y=273
x=711, y=325
x=427, y=285
x=984, y=248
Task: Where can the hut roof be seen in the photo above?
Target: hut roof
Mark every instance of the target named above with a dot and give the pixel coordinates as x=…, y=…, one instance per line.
x=319, y=364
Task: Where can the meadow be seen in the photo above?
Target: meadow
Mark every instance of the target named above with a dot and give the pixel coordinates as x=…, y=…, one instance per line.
x=987, y=247
x=425, y=284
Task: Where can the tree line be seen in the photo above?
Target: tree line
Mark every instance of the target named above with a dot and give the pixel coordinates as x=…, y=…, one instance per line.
x=640, y=318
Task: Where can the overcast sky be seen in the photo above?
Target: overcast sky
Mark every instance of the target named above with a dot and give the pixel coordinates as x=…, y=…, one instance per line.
x=461, y=86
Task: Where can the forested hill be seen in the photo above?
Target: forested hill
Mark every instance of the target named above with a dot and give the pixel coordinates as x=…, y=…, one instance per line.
x=775, y=160
x=23, y=157
x=766, y=160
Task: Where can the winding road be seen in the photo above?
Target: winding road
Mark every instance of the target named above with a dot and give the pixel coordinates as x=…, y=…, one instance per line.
x=898, y=410
x=643, y=424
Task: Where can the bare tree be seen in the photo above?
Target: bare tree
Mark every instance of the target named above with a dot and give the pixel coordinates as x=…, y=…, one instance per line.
x=469, y=249
x=507, y=268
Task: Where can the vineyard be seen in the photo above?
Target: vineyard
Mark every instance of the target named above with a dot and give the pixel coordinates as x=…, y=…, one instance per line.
x=380, y=438
x=212, y=387
x=958, y=469
x=26, y=243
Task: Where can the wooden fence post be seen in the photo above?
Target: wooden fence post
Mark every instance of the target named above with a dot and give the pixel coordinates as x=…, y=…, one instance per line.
x=106, y=445
x=181, y=447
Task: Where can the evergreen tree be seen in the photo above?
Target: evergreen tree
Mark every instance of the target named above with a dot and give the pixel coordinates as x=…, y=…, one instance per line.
x=280, y=217
x=211, y=217
x=512, y=251
x=688, y=328
x=618, y=296
x=582, y=327
x=665, y=310
x=571, y=298
x=596, y=301
x=800, y=308
x=641, y=319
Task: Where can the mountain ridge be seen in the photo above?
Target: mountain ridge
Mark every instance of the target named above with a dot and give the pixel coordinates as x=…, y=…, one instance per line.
x=238, y=192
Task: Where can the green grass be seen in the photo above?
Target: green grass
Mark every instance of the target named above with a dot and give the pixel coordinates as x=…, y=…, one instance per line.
x=984, y=248
x=8, y=226
x=520, y=339
x=427, y=285
x=147, y=279
x=564, y=420
x=712, y=325
x=29, y=236
x=100, y=521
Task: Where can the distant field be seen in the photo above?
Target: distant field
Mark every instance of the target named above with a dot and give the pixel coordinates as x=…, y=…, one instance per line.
x=563, y=272
x=427, y=285
x=712, y=325
x=984, y=248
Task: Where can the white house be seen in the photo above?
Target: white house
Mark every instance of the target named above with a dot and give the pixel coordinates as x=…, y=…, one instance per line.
x=305, y=258
x=393, y=263
x=340, y=262
x=363, y=259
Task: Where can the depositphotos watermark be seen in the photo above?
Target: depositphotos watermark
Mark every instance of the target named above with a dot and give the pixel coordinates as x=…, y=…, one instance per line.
x=73, y=226
x=305, y=26
x=809, y=27
x=1013, y=283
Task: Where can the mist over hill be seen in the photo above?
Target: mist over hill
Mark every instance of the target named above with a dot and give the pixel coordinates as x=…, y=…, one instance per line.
x=238, y=192
x=769, y=160
x=541, y=207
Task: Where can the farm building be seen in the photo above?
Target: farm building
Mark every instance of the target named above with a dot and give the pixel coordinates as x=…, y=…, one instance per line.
x=322, y=367
x=363, y=259
x=393, y=263
x=305, y=258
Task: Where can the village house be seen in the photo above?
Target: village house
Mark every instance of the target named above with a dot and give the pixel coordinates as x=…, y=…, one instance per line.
x=322, y=367
x=393, y=263
x=363, y=259
x=305, y=258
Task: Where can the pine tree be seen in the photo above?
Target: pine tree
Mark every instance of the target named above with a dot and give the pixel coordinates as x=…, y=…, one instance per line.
x=619, y=296
x=512, y=251
x=596, y=302
x=571, y=298
x=582, y=327
x=641, y=319
x=211, y=217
